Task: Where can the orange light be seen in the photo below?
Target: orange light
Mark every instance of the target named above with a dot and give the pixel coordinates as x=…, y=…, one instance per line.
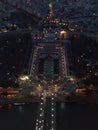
x=63, y=33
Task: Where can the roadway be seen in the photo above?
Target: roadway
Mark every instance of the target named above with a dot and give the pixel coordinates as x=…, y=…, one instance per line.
x=46, y=118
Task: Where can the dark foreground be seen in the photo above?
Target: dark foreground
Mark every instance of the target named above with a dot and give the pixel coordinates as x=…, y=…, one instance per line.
x=70, y=116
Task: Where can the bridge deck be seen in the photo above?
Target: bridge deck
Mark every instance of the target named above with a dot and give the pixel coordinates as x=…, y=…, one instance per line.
x=46, y=118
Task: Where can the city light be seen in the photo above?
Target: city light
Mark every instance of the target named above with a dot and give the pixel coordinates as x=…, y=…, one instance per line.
x=71, y=79
x=41, y=103
x=52, y=98
x=63, y=34
x=24, y=78
x=52, y=109
x=52, y=115
x=47, y=59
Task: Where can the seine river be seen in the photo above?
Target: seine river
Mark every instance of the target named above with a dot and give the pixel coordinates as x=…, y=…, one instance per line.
x=69, y=117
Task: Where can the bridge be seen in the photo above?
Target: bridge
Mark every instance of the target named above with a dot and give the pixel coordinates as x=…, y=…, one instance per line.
x=46, y=118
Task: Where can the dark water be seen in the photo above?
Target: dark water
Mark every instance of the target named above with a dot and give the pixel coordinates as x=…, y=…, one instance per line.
x=77, y=117
x=69, y=117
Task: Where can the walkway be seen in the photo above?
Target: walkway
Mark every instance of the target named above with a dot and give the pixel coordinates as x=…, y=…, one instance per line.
x=46, y=118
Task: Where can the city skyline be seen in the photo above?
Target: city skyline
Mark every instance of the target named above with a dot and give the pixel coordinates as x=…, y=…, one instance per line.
x=49, y=59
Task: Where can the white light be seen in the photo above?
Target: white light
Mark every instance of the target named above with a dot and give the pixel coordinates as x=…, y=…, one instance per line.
x=52, y=122
x=42, y=98
x=40, y=114
x=39, y=121
x=41, y=109
x=52, y=115
x=52, y=103
x=36, y=123
x=41, y=103
x=52, y=98
x=52, y=109
x=42, y=120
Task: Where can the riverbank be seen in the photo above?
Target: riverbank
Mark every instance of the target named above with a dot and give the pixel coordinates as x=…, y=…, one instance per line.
x=12, y=101
x=36, y=100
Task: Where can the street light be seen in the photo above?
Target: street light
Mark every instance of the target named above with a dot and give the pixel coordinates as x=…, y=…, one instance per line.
x=24, y=78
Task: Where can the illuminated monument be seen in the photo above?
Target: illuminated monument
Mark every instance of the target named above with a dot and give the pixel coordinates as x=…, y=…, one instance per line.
x=49, y=57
